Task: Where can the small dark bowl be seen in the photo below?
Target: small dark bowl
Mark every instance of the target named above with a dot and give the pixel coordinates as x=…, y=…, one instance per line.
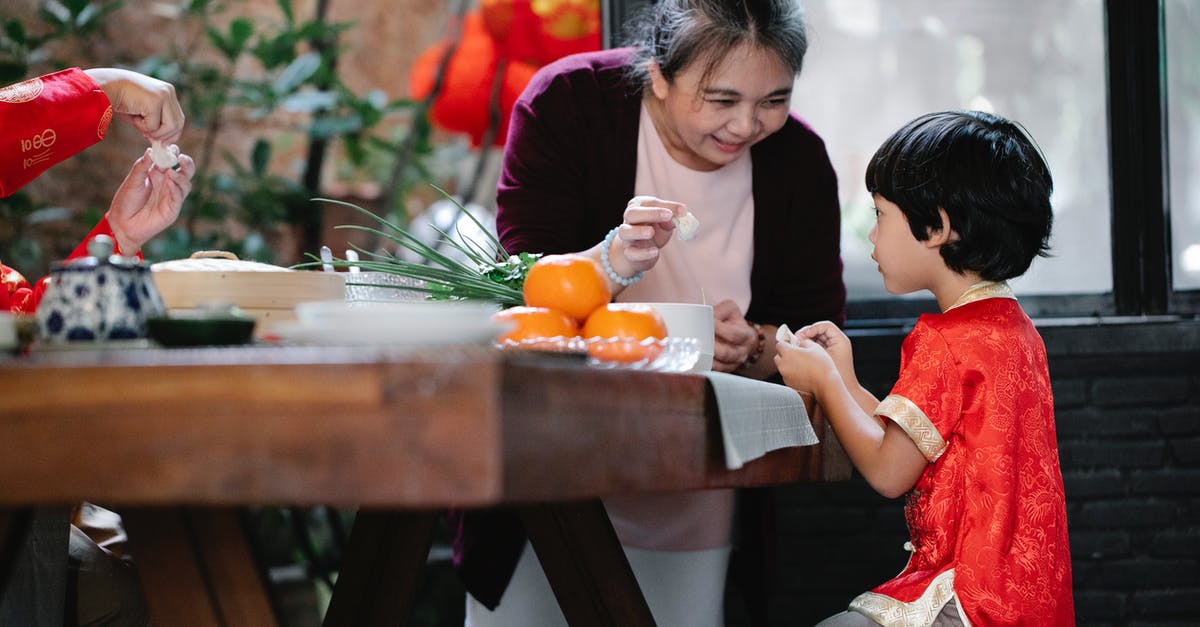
x=176, y=332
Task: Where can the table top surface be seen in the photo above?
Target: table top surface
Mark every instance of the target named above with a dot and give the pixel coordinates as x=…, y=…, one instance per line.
x=450, y=426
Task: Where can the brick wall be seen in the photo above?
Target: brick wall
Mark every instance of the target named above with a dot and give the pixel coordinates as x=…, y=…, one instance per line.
x=1127, y=400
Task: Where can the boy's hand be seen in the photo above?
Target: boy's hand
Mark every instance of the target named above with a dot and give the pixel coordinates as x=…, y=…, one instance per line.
x=805, y=366
x=835, y=342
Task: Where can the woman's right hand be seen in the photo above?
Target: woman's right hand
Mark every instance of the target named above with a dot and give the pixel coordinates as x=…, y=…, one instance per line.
x=147, y=103
x=648, y=227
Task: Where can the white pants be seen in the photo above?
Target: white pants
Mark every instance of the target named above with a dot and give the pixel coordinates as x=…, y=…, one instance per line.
x=683, y=589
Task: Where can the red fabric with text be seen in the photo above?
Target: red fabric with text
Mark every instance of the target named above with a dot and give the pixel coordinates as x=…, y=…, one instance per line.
x=46, y=120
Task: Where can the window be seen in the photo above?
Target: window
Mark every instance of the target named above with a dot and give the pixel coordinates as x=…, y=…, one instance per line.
x=1182, y=20
x=873, y=65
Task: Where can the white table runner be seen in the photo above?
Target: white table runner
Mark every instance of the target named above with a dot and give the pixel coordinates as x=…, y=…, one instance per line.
x=758, y=417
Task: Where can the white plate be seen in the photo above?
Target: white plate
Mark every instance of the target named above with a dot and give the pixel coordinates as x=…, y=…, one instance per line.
x=342, y=314
x=421, y=323
x=425, y=335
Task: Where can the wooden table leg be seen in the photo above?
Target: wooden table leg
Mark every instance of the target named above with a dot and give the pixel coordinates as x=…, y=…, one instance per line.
x=196, y=567
x=14, y=525
x=584, y=562
x=385, y=555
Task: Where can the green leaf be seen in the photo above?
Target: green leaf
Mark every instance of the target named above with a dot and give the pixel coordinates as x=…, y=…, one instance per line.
x=85, y=17
x=15, y=31
x=240, y=32
x=286, y=7
x=260, y=157
x=298, y=71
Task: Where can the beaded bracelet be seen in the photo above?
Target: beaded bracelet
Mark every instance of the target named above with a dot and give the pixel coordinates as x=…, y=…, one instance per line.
x=754, y=356
x=612, y=274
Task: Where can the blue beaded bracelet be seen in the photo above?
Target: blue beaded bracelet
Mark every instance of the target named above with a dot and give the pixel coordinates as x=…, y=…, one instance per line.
x=612, y=274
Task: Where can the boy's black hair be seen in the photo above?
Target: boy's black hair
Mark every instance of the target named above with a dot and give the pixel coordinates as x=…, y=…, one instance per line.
x=989, y=176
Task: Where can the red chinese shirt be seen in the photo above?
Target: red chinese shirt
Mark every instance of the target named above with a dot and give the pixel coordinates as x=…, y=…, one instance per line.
x=987, y=518
x=45, y=120
x=42, y=122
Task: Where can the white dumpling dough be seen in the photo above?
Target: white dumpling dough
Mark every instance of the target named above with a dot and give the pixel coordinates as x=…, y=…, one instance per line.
x=784, y=335
x=686, y=225
x=162, y=157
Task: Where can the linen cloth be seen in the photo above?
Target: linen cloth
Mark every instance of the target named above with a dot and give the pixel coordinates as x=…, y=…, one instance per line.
x=758, y=417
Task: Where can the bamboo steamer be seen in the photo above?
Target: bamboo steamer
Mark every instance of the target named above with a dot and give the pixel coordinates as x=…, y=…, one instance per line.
x=267, y=292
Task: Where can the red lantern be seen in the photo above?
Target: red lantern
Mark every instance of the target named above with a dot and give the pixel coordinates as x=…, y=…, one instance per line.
x=540, y=31
x=462, y=104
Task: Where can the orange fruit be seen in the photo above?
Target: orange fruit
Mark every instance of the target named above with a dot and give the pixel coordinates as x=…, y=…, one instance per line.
x=629, y=324
x=536, y=323
x=572, y=284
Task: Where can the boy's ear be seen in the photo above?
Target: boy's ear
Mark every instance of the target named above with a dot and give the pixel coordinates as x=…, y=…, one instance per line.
x=944, y=235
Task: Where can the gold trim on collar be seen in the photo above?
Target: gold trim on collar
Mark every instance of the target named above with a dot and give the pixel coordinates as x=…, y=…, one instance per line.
x=921, y=612
x=983, y=290
x=915, y=423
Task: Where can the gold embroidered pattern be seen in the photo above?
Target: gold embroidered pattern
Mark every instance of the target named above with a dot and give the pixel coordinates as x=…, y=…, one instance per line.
x=984, y=290
x=918, y=613
x=915, y=423
x=105, y=119
x=22, y=92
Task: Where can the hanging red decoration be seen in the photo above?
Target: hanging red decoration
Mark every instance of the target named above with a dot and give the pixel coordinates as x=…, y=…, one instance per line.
x=462, y=103
x=541, y=31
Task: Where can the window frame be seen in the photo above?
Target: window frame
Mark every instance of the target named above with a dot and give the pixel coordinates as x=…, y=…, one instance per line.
x=1138, y=177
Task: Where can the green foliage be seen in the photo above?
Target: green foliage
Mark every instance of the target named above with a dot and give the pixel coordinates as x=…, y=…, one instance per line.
x=236, y=202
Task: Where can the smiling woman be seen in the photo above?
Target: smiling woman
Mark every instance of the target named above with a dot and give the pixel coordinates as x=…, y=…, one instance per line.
x=606, y=151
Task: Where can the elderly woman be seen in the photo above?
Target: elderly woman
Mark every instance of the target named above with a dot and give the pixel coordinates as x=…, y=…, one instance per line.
x=605, y=152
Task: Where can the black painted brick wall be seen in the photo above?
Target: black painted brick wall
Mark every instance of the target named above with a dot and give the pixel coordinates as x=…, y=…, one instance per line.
x=1127, y=400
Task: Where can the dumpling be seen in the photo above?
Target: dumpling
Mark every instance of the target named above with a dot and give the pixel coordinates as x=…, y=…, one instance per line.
x=686, y=225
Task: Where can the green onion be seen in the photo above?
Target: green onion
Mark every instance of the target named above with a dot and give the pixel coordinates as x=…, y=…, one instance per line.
x=489, y=274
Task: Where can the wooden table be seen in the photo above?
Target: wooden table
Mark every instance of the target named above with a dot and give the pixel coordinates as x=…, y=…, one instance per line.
x=176, y=440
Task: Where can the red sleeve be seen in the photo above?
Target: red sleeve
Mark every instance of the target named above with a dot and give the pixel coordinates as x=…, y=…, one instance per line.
x=15, y=293
x=30, y=298
x=45, y=120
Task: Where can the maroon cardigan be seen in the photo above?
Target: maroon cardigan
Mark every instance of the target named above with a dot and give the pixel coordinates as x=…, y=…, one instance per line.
x=569, y=169
x=568, y=172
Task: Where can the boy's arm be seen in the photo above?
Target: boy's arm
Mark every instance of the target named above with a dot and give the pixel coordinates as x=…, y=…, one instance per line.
x=881, y=451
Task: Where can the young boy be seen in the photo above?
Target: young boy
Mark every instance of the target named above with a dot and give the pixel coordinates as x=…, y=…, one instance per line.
x=962, y=204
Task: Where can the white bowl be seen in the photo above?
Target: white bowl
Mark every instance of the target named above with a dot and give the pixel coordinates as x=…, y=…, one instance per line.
x=690, y=320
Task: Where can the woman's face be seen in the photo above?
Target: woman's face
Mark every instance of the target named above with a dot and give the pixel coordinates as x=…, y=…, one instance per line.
x=706, y=126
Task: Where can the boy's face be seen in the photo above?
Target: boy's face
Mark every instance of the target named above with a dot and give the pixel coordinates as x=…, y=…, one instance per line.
x=906, y=263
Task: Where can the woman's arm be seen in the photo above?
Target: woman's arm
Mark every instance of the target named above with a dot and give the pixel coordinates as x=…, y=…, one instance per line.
x=45, y=120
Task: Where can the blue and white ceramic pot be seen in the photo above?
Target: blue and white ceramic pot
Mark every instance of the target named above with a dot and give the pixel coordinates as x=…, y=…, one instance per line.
x=101, y=297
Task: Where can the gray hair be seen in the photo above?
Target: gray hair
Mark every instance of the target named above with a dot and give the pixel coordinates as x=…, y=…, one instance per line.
x=678, y=33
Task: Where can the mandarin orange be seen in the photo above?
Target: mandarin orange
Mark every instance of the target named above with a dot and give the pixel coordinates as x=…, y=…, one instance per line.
x=572, y=284
x=615, y=332
x=536, y=327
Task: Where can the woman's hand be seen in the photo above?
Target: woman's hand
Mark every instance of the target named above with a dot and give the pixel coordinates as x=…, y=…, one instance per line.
x=736, y=339
x=647, y=228
x=147, y=103
x=149, y=200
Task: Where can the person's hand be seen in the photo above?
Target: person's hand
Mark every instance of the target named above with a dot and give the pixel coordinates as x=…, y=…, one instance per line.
x=149, y=200
x=835, y=342
x=736, y=340
x=647, y=227
x=147, y=103
x=805, y=366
